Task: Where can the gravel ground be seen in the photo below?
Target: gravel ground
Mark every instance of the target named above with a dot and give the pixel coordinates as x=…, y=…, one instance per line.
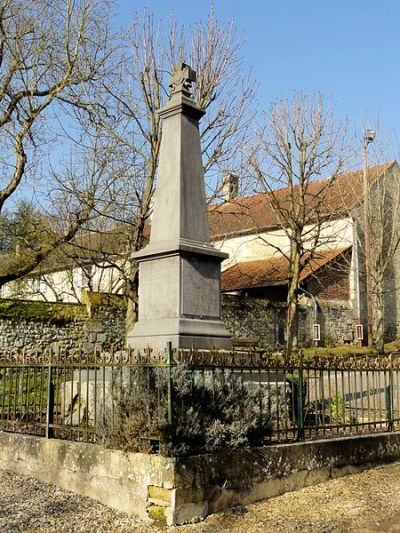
x=369, y=501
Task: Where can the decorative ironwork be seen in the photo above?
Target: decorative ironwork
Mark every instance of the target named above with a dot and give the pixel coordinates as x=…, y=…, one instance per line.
x=251, y=358
x=66, y=393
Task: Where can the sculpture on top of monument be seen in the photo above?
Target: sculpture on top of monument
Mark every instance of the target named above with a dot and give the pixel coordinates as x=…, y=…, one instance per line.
x=179, y=270
x=181, y=79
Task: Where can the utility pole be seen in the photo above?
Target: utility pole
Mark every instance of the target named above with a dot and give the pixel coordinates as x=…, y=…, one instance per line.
x=369, y=137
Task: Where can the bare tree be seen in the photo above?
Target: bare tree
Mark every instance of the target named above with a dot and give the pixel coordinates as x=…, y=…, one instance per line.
x=379, y=220
x=119, y=112
x=299, y=142
x=52, y=53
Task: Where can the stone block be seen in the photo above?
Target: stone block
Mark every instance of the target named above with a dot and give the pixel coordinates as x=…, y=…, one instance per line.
x=200, y=287
x=160, y=493
x=188, y=512
x=159, y=288
x=94, y=325
x=87, y=347
x=157, y=512
x=85, y=401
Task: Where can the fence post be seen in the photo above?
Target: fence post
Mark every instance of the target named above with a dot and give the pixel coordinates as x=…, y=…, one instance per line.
x=170, y=384
x=389, y=396
x=50, y=403
x=300, y=399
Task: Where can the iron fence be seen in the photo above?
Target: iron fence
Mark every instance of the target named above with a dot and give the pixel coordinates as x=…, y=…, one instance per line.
x=194, y=400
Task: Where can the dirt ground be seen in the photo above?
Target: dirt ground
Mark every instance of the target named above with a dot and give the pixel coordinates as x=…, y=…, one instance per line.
x=369, y=501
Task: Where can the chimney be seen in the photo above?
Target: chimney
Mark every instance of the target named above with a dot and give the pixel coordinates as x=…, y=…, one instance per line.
x=230, y=187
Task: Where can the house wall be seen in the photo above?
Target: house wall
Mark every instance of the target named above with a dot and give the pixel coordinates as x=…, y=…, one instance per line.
x=392, y=299
x=334, y=234
x=62, y=286
x=66, y=285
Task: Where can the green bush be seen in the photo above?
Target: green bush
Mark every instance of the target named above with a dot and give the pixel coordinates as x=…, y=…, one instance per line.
x=211, y=410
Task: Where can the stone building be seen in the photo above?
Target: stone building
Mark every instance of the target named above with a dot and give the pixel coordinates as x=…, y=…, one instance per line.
x=333, y=302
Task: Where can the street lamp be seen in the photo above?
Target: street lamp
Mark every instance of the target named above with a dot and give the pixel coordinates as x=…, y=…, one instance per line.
x=369, y=137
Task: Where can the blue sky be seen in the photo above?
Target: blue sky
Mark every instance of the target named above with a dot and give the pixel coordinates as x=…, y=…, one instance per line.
x=347, y=49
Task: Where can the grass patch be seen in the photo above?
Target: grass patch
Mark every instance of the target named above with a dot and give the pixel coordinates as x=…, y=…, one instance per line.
x=348, y=350
x=21, y=393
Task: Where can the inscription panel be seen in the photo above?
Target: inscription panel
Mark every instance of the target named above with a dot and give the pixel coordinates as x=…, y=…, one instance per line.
x=200, y=289
x=159, y=288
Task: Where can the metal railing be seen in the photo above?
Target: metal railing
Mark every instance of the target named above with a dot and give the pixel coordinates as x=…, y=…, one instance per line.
x=197, y=399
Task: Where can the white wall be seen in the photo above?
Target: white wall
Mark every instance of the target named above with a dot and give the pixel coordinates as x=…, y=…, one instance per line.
x=334, y=234
x=65, y=286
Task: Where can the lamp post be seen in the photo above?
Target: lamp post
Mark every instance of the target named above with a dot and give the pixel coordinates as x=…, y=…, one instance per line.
x=369, y=137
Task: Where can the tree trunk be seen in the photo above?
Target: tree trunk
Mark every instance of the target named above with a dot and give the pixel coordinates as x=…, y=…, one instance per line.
x=291, y=330
x=379, y=317
x=292, y=297
x=131, y=293
x=291, y=317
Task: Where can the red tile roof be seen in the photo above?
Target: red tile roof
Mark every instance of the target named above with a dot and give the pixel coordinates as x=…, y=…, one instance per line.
x=269, y=272
x=255, y=213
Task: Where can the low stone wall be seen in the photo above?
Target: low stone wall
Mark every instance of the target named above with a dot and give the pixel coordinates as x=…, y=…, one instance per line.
x=186, y=489
x=100, y=322
x=34, y=324
x=116, y=479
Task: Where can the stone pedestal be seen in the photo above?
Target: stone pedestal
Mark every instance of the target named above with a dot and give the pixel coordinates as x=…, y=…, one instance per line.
x=179, y=271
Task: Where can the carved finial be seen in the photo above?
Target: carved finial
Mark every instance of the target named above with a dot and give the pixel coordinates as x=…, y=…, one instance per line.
x=181, y=79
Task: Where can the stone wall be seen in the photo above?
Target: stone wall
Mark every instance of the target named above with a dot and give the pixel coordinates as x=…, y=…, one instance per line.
x=261, y=319
x=33, y=324
x=337, y=322
x=185, y=489
x=100, y=322
x=252, y=317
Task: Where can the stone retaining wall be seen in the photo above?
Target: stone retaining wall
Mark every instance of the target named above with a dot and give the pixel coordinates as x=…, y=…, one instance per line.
x=100, y=322
x=186, y=489
x=31, y=325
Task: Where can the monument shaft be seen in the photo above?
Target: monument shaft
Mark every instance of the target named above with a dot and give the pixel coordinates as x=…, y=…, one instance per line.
x=179, y=271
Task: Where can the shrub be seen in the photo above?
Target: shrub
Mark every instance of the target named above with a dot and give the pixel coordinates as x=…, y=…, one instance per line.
x=211, y=410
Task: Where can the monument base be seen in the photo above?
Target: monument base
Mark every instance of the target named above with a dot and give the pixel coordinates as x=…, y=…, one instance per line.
x=181, y=332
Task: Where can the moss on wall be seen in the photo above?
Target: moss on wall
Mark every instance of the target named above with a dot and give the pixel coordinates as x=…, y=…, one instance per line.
x=36, y=310
x=104, y=299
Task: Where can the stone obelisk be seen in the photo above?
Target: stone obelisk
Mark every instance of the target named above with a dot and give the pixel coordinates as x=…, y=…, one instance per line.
x=179, y=270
